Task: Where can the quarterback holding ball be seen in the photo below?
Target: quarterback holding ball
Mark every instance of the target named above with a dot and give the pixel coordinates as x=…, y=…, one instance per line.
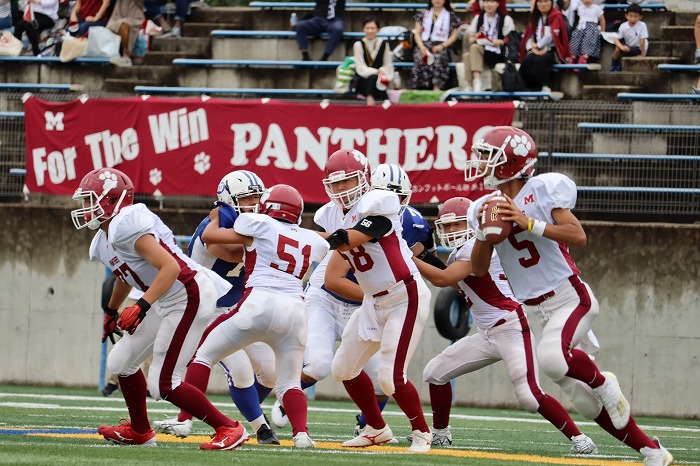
x=544, y=277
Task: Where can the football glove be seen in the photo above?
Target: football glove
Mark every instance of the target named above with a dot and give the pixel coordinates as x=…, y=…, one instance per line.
x=338, y=238
x=109, y=326
x=132, y=316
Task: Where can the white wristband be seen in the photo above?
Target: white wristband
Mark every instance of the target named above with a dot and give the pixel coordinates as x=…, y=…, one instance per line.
x=479, y=234
x=538, y=227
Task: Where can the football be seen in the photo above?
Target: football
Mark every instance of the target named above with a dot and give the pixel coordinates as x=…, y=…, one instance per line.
x=492, y=224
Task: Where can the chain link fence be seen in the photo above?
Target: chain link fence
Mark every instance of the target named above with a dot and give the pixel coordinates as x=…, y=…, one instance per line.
x=632, y=161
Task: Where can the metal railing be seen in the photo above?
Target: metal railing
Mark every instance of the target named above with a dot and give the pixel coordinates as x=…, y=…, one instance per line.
x=626, y=171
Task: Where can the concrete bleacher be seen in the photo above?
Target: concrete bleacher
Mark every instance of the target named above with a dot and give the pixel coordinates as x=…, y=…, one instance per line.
x=256, y=32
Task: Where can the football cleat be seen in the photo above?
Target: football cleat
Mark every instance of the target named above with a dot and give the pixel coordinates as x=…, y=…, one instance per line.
x=420, y=442
x=614, y=401
x=583, y=445
x=302, y=440
x=279, y=416
x=370, y=436
x=359, y=427
x=441, y=437
x=109, y=389
x=656, y=456
x=179, y=429
x=266, y=436
x=226, y=438
x=123, y=434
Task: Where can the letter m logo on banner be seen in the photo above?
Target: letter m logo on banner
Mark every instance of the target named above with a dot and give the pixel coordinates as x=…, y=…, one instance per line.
x=54, y=122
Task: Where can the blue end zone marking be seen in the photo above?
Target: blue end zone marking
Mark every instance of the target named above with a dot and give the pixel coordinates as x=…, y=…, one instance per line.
x=47, y=431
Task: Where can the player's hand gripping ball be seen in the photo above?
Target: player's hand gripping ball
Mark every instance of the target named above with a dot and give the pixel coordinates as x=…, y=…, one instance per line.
x=491, y=222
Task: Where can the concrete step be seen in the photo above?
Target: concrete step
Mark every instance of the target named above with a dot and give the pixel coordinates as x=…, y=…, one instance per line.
x=686, y=17
x=238, y=17
x=195, y=45
x=646, y=63
x=606, y=92
x=683, y=50
x=679, y=33
x=160, y=75
x=204, y=29
x=126, y=84
x=157, y=58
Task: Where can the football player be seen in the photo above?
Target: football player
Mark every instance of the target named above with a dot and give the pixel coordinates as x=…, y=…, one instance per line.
x=395, y=302
x=167, y=321
x=277, y=255
x=241, y=190
x=503, y=334
x=545, y=278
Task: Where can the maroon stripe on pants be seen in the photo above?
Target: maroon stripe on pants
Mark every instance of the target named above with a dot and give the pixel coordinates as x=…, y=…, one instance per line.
x=225, y=316
x=406, y=332
x=567, y=332
x=178, y=339
x=529, y=357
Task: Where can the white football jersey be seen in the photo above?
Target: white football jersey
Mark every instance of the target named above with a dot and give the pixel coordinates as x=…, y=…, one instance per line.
x=378, y=265
x=535, y=265
x=280, y=254
x=116, y=250
x=489, y=297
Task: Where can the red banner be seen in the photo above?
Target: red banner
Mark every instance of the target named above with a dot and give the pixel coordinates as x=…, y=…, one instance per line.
x=185, y=146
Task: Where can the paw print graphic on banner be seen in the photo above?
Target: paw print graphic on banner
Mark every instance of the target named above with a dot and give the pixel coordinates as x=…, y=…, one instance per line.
x=521, y=146
x=155, y=176
x=110, y=180
x=202, y=163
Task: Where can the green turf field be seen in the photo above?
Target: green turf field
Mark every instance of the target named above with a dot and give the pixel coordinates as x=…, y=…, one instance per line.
x=57, y=426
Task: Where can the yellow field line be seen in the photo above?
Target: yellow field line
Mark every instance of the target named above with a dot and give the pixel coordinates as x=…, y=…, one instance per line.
x=389, y=449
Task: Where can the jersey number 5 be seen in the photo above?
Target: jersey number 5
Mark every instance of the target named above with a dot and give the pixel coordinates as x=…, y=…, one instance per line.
x=288, y=251
x=524, y=245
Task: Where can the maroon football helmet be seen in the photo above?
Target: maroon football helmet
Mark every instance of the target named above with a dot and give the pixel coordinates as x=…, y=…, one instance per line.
x=452, y=211
x=342, y=165
x=103, y=193
x=282, y=202
x=503, y=154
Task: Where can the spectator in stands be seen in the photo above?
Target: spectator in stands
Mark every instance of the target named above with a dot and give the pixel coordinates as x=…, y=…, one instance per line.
x=153, y=11
x=485, y=37
x=327, y=17
x=45, y=13
x=5, y=15
x=632, y=37
x=435, y=32
x=126, y=20
x=568, y=9
x=696, y=31
x=544, y=43
x=373, y=63
x=477, y=7
x=585, y=39
x=89, y=13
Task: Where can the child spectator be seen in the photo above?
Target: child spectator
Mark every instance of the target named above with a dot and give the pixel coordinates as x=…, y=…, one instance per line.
x=632, y=37
x=585, y=39
x=485, y=36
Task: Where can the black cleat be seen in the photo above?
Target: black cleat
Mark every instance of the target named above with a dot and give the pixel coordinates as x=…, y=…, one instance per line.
x=266, y=436
x=109, y=389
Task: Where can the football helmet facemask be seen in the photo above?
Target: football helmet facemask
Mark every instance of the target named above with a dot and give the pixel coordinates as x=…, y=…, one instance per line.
x=103, y=192
x=452, y=211
x=346, y=164
x=282, y=202
x=503, y=154
x=239, y=184
x=390, y=177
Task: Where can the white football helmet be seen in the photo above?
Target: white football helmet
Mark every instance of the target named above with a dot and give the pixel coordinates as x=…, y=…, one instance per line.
x=238, y=184
x=452, y=211
x=390, y=177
